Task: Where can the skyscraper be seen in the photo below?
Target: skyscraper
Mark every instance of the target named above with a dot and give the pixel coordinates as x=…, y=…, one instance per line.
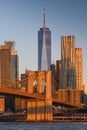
x=5, y=71
x=79, y=68
x=44, y=47
x=58, y=71
x=10, y=102
x=68, y=69
x=5, y=64
x=14, y=61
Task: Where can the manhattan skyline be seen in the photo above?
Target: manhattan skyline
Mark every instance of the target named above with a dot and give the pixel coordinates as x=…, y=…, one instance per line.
x=21, y=20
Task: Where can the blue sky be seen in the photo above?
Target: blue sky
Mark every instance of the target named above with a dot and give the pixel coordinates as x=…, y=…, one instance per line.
x=20, y=20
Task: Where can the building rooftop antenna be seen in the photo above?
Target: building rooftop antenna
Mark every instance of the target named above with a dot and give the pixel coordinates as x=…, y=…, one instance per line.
x=44, y=14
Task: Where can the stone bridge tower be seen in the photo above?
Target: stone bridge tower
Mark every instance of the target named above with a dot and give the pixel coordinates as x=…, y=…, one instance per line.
x=39, y=109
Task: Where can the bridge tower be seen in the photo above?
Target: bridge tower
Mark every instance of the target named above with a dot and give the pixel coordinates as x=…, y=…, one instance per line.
x=39, y=109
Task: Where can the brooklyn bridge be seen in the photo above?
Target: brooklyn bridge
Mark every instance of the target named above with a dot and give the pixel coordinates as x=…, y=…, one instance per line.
x=41, y=93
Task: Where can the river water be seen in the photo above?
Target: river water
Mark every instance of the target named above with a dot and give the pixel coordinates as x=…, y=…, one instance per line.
x=43, y=126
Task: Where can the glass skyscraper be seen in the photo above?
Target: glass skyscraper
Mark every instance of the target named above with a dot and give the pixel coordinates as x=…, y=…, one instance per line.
x=68, y=68
x=14, y=61
x=10, y=102
x=44, y=47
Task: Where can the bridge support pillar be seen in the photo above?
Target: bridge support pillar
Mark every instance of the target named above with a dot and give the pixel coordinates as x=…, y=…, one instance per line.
x=39, y=81
x=41, y=110
x=31, y=104
x=36, y=110
x=31, y=110
x=49, y=116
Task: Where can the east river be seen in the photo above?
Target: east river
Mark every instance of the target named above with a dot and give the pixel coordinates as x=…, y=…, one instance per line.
x=43, y=126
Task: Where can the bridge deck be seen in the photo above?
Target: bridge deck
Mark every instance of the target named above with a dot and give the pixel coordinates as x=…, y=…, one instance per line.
x=37, y=96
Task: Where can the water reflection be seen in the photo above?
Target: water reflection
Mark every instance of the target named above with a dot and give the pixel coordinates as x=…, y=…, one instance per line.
x=43, y=126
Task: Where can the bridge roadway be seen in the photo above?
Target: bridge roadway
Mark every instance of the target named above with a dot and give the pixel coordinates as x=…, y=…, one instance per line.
x=37, y=96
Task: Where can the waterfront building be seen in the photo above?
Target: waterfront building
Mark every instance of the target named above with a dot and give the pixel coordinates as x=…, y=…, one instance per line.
x=5, y=71
x=72, y=96
x=2, y=102
x=14, y=61
x=68, y=68
x=10, y=102
x=5, y=65
x=79, y=68
x=44, y=47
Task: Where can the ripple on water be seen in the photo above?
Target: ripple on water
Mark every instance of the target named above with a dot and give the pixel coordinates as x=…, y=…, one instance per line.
x=43, y=126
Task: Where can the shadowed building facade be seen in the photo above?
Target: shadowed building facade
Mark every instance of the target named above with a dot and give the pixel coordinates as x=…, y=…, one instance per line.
x=58, y=71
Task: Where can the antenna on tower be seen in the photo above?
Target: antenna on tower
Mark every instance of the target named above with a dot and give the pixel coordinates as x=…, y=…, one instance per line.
x=44, y=14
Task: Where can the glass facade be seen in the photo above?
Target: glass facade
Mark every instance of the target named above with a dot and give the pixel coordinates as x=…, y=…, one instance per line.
x=68, y=69
x=14, y=68
x=14, y=61
x=44, y=49
x=10, y=101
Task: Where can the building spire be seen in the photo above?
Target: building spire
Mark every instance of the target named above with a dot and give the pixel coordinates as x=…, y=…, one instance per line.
x=44, y=14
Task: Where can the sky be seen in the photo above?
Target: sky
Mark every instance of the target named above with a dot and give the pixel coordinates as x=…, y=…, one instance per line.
x=20, y=20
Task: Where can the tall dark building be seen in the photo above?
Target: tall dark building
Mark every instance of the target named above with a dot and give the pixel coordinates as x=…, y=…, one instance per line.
x=5, y=71
x=14, y=61
x=58, y=71
x=44, y=47
x=10, y=102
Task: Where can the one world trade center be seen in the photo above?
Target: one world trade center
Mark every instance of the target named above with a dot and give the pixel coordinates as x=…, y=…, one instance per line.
x=44, y=47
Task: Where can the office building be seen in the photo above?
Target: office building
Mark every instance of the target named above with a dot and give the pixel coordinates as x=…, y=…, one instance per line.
x=5, y=65
x=68, y=69
x=10, y=102
x=14, y=61
x=5, y=71
x=79, y=68
x=44, y=47
x=58, y=71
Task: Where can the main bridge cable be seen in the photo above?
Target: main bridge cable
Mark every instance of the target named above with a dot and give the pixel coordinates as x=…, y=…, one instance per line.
x=31, y=77
x=20, y=81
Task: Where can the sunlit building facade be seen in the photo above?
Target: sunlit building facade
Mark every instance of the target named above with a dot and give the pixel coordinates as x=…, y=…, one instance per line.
x=5, y=64
x=68, y=69
x=14, y=61
x=5, y=71
x=79, y=68
x=10, y=102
